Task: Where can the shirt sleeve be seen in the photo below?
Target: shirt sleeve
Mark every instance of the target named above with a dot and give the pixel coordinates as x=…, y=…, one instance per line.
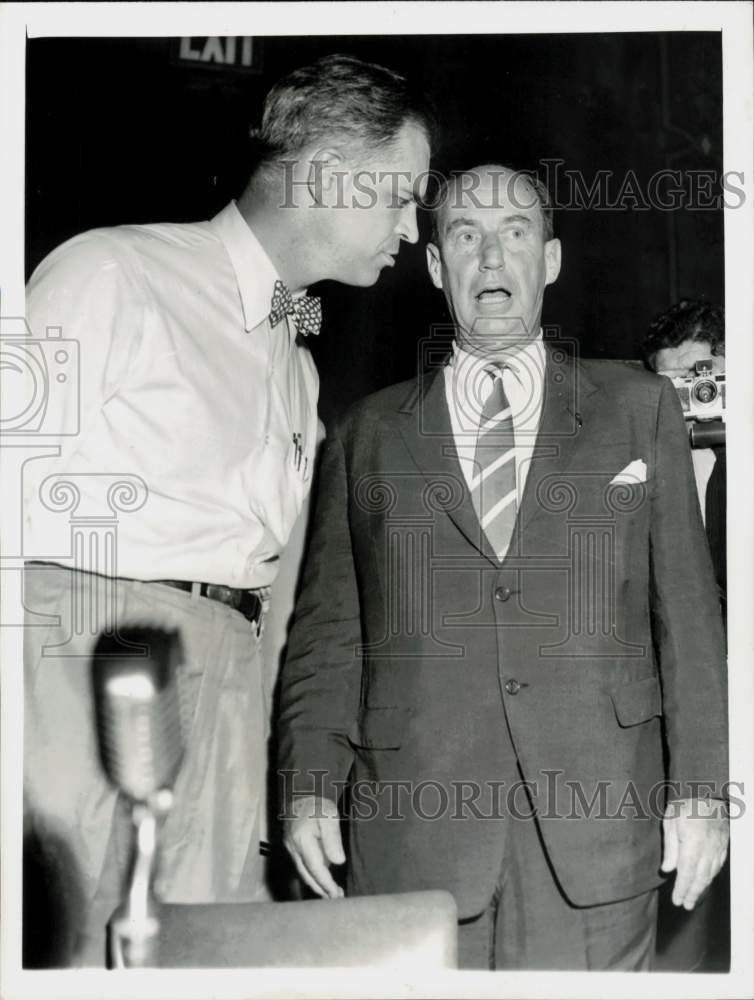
x=85, y=310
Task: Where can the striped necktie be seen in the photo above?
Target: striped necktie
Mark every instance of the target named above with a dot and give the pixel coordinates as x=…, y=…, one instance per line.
x=493, y=488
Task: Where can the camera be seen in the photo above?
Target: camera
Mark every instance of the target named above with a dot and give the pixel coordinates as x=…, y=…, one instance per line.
x=36, y=371
x=702, y=394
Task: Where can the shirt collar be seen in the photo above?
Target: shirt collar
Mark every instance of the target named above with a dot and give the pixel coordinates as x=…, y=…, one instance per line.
x=255, y=273
x=530, y=356
x=468, y=385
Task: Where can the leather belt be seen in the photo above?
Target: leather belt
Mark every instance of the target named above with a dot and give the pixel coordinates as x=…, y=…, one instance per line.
x=246, y=601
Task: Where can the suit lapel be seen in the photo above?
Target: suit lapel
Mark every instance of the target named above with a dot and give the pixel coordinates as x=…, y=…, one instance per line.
x=424, y=423
x=566, y=408
x=426, y=429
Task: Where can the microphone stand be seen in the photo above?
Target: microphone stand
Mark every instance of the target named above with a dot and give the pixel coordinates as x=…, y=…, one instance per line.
x=137, y=705
x=135, y=927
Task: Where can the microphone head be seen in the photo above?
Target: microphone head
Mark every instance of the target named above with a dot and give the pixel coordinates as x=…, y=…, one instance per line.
x=138, y=710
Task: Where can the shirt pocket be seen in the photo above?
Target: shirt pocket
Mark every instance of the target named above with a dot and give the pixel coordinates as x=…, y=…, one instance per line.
x=276, y=486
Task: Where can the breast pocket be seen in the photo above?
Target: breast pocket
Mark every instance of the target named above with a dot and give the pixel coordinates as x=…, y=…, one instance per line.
x=276, y=485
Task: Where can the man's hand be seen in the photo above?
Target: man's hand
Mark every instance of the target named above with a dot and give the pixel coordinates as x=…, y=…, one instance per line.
x=696, y=835
x=313, y=839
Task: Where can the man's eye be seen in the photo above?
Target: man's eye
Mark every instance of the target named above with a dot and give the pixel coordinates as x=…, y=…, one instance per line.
x=467, y=237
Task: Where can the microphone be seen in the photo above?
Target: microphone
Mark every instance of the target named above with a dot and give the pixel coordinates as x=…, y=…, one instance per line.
x=138, y=716
x=138, y=710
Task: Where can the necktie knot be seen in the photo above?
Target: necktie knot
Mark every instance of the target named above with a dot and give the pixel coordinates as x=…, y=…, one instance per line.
x=306, y=310
x=496, y=408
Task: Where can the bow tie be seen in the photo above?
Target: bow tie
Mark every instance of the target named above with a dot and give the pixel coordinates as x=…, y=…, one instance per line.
x=306, y=310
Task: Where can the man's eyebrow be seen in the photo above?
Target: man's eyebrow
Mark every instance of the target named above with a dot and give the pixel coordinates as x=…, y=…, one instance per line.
x=508, y=220
x=517, y=218
x=457, y=223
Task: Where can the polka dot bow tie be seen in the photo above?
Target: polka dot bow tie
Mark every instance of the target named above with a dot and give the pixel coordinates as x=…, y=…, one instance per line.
x=306, y=310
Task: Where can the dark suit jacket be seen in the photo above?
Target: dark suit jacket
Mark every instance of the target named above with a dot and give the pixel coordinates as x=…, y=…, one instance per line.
x=416, y=657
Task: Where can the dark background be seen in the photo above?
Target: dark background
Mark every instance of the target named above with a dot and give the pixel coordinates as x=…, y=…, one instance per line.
x=119, y=131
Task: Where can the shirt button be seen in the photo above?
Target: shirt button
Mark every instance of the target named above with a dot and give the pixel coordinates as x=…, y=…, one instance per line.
x=512, y=686
x=502, y=593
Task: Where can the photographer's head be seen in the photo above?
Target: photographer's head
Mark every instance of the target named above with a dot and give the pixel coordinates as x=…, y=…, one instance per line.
x=342, y=145
x=688, y=332
x=493, y=253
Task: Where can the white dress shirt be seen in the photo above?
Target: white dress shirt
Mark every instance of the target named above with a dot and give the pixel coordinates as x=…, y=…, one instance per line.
x=183, y=386
x=467, y=386
x=703, y=461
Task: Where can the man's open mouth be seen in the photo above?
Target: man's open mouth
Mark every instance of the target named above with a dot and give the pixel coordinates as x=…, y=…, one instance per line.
x=496, y=294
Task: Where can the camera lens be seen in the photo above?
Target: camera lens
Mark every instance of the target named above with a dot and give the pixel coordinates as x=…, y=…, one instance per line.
x=705, y=392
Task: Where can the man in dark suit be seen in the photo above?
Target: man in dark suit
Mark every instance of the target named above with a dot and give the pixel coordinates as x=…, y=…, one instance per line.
x=690, y=332
x=507, y=599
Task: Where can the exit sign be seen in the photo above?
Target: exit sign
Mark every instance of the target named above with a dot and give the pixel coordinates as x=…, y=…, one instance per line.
x=220, y=52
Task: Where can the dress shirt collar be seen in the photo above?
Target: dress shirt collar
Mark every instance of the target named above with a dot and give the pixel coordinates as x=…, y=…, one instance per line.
x=255, y=273
x=471, y=384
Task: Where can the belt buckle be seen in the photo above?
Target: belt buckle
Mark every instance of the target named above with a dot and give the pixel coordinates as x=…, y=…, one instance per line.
x=225, y=595
x=235, y=598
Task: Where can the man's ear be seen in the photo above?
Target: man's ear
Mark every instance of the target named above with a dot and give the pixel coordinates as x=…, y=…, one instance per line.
x=434, y=264
x=325, y=165
x=552, y=260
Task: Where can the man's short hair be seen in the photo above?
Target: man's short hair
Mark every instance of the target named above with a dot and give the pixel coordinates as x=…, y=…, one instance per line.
x=543, y=197
x=342, y=99
x=689, y=319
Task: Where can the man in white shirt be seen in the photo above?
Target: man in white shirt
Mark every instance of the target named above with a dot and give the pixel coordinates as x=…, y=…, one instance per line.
x=499, y=548
x=174, y=501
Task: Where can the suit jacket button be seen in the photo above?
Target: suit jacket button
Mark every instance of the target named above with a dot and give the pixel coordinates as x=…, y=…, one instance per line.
x=513, y=686
x=502, y=593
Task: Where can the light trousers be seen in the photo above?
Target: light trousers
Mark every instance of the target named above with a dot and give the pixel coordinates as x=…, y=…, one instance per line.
x=209, y=843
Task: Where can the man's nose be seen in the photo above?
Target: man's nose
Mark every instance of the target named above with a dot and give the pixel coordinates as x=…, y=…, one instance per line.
x=407, y=227
x=491, y=257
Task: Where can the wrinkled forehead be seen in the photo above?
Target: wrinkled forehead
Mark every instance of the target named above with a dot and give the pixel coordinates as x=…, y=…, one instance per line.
x=488, y=193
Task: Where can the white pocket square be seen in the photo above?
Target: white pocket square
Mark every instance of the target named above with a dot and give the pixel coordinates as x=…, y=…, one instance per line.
x=635, y=472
